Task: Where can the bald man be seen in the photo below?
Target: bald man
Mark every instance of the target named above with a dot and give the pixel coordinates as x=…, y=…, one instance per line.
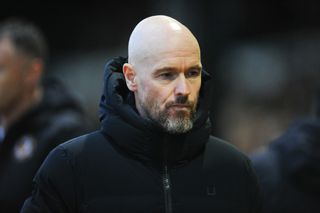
x=154, y=152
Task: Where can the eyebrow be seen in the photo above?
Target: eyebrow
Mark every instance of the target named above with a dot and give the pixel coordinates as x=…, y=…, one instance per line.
x=197, y=67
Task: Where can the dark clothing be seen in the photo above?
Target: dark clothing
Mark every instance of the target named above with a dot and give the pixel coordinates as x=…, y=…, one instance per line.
x=132, y=165
x=56, y=118
x=289, y=170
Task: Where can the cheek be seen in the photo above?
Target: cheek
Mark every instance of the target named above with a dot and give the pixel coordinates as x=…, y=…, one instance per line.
x=8, y=89
x=156, y=94
x=196, y=89
x=162, y=95
x=5, y=81
x=12, y=81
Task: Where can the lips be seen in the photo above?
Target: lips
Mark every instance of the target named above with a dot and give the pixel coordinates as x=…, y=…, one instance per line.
x=181, y=106
x=185, y=105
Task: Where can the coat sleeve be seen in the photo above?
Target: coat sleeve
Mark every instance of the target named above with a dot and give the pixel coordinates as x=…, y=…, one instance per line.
x=54, y=185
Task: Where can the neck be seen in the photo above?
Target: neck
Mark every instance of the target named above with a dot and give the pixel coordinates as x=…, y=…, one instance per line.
x=26, y=102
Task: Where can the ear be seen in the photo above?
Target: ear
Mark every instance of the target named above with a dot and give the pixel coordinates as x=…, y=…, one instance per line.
x=130, y=76
x=35, y=71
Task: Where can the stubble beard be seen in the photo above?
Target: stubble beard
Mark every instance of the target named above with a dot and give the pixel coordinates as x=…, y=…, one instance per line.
x=178, y=122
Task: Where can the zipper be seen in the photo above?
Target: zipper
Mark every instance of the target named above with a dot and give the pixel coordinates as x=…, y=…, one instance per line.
x=166, y=179
x=167, y=190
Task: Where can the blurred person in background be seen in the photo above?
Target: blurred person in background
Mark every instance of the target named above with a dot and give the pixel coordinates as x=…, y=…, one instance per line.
x=35, y=116
x=289, y=169
x=154, y=152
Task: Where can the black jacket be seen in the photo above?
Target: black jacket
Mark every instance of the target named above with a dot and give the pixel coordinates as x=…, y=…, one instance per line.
x=28, y=141
x=131, y=165
x=289, y=170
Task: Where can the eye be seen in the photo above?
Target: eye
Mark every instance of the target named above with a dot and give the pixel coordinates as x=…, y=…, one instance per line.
x=193, y=73
x=166, y=75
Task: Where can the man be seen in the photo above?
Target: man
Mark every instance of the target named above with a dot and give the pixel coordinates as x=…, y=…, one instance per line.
x=153, y=152
x=34, y=117
x=289, y=170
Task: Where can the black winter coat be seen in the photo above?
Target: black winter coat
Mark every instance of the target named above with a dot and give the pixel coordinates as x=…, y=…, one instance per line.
x=55, y=119
x=131, y=165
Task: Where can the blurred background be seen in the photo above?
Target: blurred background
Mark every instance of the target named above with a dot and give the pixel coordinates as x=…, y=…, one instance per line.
x=264, y=55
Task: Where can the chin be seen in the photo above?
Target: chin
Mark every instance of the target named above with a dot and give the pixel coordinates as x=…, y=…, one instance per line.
x=184, y=114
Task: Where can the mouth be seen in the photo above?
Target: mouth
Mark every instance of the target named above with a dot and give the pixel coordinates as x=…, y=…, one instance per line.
x=183, y=107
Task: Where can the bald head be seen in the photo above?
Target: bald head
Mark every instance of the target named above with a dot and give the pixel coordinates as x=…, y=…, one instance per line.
x=157, y=35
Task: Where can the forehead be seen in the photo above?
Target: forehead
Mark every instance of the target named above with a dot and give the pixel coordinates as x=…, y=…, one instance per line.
x=9, y=55
x=175, y=50
x=176, y=60
x=6, y=48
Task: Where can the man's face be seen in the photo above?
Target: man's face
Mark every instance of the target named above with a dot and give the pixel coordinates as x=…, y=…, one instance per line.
x=168, y=91
x=11, y=76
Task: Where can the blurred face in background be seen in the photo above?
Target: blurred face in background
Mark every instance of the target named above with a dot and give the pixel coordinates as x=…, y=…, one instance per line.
x=13, y=71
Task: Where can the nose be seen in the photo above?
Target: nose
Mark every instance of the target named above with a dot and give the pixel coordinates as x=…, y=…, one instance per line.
x=182, y=86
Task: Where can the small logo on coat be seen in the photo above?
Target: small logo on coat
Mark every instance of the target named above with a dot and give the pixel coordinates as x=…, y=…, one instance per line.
x=211, y=190
x=24, y=148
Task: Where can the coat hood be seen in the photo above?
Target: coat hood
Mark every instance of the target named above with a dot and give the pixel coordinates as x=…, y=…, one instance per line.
x=141, y=137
